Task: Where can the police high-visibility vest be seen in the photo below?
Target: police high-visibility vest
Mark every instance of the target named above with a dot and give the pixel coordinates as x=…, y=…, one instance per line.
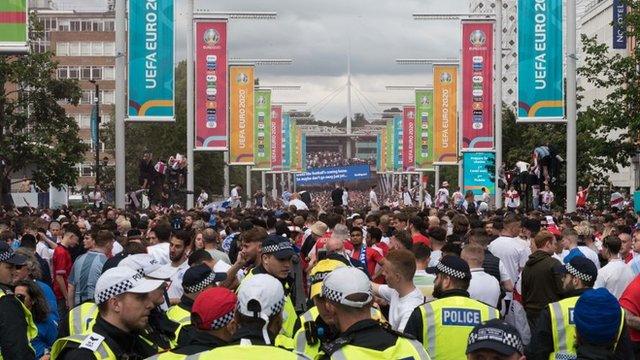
x=32, y=329
x=447, y=323
x=288, y=313
x=403, y=349
x=167, y=356
x=82, y=318
x=248, y=352
x=563, y=329
x=92, y=341
x=181, y=316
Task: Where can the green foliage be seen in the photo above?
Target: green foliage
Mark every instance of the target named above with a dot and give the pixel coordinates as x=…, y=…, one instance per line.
x=36, y=136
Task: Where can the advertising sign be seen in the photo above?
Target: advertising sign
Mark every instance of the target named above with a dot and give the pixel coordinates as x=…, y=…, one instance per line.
x=286, y=142
x=397, y=142
x=477, y=172
x=409, y=138
x=211, y=85
x=276, y=138
x=389, y=148
x=619, y=35
x=477, y=84
x=333, y=174
x=262, y=130
x=445, y=114
x=424, y=129
x=151, y=69
x=540, y=61
x=241, y=115
x=14, y=27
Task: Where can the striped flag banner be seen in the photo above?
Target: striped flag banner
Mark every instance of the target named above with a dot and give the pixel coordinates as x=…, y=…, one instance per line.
x=14, y=27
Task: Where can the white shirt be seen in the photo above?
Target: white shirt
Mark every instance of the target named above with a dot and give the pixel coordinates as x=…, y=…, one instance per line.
x=400, y=308
x=345, y=198
x=175, y=290
x=160, y=252
x=299, y=204
x=223, y=267
x=514, y=253
x=406, y=198
x=590, y=254
x=484, y=287
x=436, y=255
x=373, y=199
x=428, y=202
x=117, y=248
x=442, y=197
x=615, y=276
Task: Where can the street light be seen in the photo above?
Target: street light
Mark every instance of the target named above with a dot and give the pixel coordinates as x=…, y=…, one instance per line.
x=262, y=62
x=281, y=87
x=452, y=16
x=241, y=15
x=97, y=125
x=408, y=87
x=445, y=61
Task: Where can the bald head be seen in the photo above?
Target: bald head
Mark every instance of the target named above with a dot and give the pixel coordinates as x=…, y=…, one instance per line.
x=334, y=245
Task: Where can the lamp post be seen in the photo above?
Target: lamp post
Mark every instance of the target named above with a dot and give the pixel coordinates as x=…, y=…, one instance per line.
x=97, y=125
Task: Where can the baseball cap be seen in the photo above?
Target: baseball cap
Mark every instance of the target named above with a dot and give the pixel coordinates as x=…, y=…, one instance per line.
x=340, y=232
x=495, y=335
x=319, y=273
x=9, y=256
x=597, y=316
x=580, y=267
x=215, y=307
x=148, y=266
x=279, y=246
x=261, y=295
x=343, y=282
x=318, y=228
x=453, y=266
x=120, y=280
x=198, y=277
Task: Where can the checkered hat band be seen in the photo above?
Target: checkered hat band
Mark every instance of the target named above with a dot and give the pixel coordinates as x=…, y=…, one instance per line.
x=6, y=255
x=201, y=285
x=573, y=271
x=318, y=277
x=499, y=336
x=275, y=308
x=277, y=247
x=333, y=295
x=451, y=272
x=114, y=290
x=223, y=321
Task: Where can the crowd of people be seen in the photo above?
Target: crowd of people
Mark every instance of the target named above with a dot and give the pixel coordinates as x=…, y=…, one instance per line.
x=320, y=279
x=321, y=159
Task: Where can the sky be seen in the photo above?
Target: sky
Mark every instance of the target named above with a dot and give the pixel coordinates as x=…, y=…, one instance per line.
x=317, y=35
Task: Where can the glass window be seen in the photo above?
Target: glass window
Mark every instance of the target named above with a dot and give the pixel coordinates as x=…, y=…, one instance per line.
x=96, y=49
x=75, y=25
x=87, y=170
x=108, y=73
x=108, y=97
x=74, y=49
x=109, y=25
x=53, y=24
x=85, y=48
x=62, y=49
x=109, y=49
x=87, y=97
x=74, y=72
x=98, y=26
x=63, y=25
x=96, y=73
x=86, y=73
x=86, y=25
x=106, y=118
x=63, y=72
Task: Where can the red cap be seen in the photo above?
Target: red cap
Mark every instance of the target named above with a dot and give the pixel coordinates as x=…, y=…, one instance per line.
x=215, y=307
x=554, y=230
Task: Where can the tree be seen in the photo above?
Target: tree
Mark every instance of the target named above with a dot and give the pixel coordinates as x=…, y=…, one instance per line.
x=615, y=119
x=37, y=138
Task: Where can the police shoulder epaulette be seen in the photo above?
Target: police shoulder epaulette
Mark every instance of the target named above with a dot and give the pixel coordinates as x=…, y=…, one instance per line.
x=91, y=342
x=388, y=329
x=335, y=345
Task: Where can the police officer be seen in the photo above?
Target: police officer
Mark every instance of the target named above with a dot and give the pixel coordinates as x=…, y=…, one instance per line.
x=212, y=324
x=196, y=279
x=451, y=317
x=261, y=299
x=345, y=302
x=124, y=304
x=17, y=328
x=555, y=329
x=495, y=339
x=276, y=254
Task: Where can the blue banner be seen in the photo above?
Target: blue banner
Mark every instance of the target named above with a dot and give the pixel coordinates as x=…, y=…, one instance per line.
x=94, y=126
x=379, y=153
x=304, y=152
x=619, y=35
x=540, y=61
x=151, y=68
x=333, y=174
x=477, y=172
x=286, y=142
x=397, y=142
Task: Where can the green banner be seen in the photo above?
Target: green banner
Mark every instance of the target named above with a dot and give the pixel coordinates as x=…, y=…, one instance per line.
x=389, y=134
x=14, y=27
x=424, y=129
x=262, y=130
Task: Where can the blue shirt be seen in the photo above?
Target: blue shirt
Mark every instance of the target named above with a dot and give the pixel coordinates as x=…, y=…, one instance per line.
x=85, y=273
x=47, y=335
x=573, y=253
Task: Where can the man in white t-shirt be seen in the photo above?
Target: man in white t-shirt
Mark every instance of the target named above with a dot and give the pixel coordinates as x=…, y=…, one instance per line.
x=299, y=204
x=373, y=199
x=398, y=268
x=95, y=197
x=616, y=275
x=406, y=197
x=179, y=244
x=235, y=198
x=483, y=287
x=442, y=196
x=510, y=248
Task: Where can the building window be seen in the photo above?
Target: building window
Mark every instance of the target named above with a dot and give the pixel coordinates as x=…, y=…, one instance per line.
x=63, y=25
x=87, y=170
x=74, y=72
x=96, y=73
x=85, y=48
x=75, y=25
x=108, y=97
x=108, y=73
x=87, y=97
x=109, y=25
x=97, y=49
x=109, y=49
x=74, y=49
x=86, y=25
x=63, y=73
x=62, y=49
x=86, y=73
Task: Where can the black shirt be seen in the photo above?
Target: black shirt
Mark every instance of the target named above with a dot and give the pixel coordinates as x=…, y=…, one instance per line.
x=14, y=343
x=121, y=343
x=336, y=196
x=197, y=342
x=367, y=333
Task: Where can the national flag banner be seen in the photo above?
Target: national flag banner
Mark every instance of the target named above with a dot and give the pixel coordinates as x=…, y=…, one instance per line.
x=424, y=129
x=477, y=84
x=389, y=148
x=397, y=142
x=286, y=142
x=14, y=27
x=211, y=85
x=276, y=138
x=241, y=93
x=540, y=61
x=445, y=114
x=262, y=130
x=151, y=33
x=408, y=138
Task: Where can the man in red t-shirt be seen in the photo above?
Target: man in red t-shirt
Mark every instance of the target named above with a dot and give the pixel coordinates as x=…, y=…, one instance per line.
x=416, y=226
x=581, y=197
x=62, y=264
x=630, y=301
x=376, y=251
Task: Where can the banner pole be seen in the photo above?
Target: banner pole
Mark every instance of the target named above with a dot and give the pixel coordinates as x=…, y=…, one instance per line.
x=248, y=182
x=497, y=53
x=263, y=182
x=226, y=173
x=571, y=106
x=120, y=98
x=437, y=177
x=190, y=103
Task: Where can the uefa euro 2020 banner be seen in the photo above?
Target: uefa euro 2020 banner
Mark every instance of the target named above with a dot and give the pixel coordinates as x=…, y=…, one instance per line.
x=424, y=130
x=409, y=138
x=262, y=130
x=151, y=58
x=478, y=172
x=540, y=61
x=445, y=107
x=477, y=84
x=241, y=90
x=14, y=27
x=389, y=146
x=286, y=142
x=211, y=85
x=397, y=142
x=276, y=137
